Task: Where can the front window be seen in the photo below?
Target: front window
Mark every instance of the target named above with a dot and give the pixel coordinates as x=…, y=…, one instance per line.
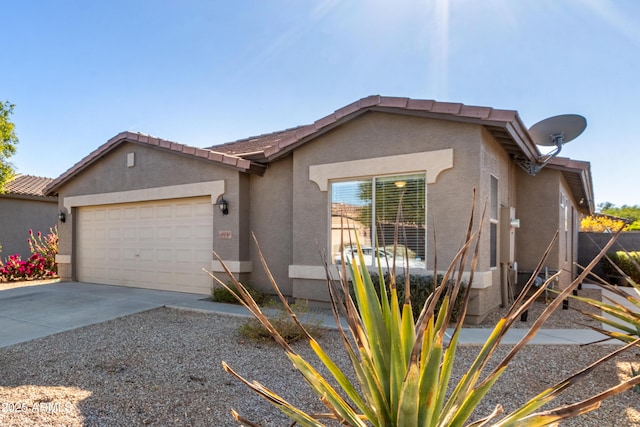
x=370, y=208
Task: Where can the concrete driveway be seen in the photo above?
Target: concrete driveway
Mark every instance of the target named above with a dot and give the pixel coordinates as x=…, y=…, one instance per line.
x=37, y=311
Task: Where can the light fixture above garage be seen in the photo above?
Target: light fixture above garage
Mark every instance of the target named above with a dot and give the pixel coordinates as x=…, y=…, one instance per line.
x=223, y=205
x=61, y=216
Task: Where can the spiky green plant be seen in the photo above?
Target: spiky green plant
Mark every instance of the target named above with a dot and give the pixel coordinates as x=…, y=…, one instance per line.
x=624, y=320
x=403, y=367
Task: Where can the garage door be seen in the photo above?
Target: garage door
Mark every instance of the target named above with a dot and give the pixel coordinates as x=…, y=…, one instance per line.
x=157, y=245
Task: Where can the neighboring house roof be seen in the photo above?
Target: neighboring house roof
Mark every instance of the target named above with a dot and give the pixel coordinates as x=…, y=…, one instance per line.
x=578, y=176
x=206, y=154
x=27, y=187
x=505, y=125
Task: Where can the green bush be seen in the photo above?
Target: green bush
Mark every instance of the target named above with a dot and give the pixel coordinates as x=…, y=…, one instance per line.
x=420, y=287
x=623, y=260
x=219, y=294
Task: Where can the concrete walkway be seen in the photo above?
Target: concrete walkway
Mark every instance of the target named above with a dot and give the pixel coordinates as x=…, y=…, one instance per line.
x=31, y=312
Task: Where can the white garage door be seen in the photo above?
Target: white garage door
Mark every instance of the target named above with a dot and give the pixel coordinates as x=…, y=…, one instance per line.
x=157, y=245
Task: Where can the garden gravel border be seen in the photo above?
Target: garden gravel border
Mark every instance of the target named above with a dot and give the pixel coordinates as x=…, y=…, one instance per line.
x=162, y=367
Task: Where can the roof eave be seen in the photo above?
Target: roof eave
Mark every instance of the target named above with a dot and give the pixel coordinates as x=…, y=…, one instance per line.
x=8, y=195
x=581, y=171
x=519, y=143
x=226, y=160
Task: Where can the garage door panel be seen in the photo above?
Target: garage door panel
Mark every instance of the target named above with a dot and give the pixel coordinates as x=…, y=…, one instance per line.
x=203, y=257
x=130, y=213
x=146, y=233
x=164, y=212
x=115, y=234
x=164, y=255
x=158, y=245
x=164, y=232
x=98, y=215
x=114, y=255
x=129, y=233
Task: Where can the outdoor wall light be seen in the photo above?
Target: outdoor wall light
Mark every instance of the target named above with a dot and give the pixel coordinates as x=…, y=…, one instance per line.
x=223, y=205
x=61, y=216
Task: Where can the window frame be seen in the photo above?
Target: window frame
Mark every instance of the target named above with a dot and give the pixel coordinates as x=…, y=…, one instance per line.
x=373, y=229
x=494, y=213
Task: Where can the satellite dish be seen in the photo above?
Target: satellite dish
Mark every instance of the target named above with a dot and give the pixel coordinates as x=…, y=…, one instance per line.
x=553, y=131
x=558, y=130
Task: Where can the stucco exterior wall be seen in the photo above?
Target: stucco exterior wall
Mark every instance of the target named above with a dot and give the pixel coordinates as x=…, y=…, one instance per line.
x=18, y=216
x=494, y=162
x=271, y=219
x=476, y=156
x=376, y=135
x=569, y=229
x=541, y=215
x=538, y=207
x=156, y=168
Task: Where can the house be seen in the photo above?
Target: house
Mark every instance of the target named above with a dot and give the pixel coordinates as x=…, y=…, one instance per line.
x=146, y=212
x=24, y=207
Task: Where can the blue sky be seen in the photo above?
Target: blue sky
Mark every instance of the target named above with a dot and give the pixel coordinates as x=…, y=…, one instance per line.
x=205, y=72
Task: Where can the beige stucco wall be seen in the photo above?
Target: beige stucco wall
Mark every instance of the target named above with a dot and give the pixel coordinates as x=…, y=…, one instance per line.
x=156, y=168
x=541, y=216
x=289, y=210
x=271, y=219
x=18, y=215
x=476, y=156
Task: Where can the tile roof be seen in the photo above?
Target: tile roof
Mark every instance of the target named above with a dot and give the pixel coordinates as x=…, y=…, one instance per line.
x=201, y=153
x=28, y=186
x=577, y=173
x=254, y=153
x=505, y=125
x=255, y=145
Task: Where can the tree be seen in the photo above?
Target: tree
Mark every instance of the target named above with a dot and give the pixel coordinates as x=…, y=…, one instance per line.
x=611, y=217
x=8, y=143
x=601, y=224
x=630, y=213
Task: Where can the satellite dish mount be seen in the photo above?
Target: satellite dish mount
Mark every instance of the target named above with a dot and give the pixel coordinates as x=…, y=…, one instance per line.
x=553, y=131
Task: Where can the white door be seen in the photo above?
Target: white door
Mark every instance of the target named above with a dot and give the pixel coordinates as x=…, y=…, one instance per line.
x=158, y=245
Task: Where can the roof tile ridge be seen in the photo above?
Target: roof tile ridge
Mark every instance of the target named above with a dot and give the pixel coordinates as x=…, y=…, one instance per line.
x=27, y=175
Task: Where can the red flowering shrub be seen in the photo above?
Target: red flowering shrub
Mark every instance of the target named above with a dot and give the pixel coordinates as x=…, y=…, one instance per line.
x=40, y=265
x=46, y=247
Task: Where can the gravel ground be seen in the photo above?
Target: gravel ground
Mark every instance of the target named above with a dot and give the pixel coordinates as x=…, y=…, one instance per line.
x=559, y=319
x=162, y=368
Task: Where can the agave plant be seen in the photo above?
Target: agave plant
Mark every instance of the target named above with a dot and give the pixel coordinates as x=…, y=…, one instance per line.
x=624, y=319
x=403, y=367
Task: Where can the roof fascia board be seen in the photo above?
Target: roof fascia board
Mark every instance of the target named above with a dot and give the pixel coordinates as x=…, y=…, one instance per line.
x=7, y=195
x=521, y=137
x=506, y=119
x=234, y=162
x=585, y=179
